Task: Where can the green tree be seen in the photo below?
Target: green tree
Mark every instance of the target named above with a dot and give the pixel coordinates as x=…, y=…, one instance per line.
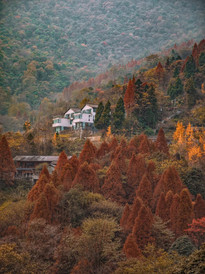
x=98, y=115
x=202, y=59
x=191, y=94
x=190, y=67
x=119, y=114
x=106, y=116
x=175, y=88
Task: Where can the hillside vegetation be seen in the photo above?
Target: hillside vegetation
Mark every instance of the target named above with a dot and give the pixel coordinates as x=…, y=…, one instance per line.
x=46, y=45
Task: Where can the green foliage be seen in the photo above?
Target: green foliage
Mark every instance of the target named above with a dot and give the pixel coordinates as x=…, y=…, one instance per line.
x=202, y=59
x=190, y=93
x=98, y=115
x=175, y=88
x=106, y=116
x=190, y=67
x=183, y=246
x=119, y=114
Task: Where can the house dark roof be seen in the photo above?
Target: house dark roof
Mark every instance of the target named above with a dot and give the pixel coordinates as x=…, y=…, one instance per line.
x=36, y=158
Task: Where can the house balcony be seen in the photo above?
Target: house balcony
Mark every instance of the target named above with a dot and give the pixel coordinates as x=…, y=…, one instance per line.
x=61, y=122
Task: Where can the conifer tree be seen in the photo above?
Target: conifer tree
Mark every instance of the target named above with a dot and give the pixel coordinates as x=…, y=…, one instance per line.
x=98, y=115
x=74, y=162
x=55, y=179
x=119, y=114
x=45, y=172
x=129, y=97
x=190, y=67
x=174, y=214
x=38, y=188
x=105, y=118
x=67, y=177
x=113, y=144
x=7, y=166
x=144, y=146
x=52, y=195
x=191, y=94
x=175, y=88
x=131, y=248
x=142, y=228
x=112, y=187
x=125, y=216
x=120, y=160
x=62, y=160
x=88, y=152
x=168, y=199
x=161, y=142
x=103, y=150
x=87, y=177
x=199, y=207
x=161, y=207
x=144, y=190
x=137, y=204
x=41, y=209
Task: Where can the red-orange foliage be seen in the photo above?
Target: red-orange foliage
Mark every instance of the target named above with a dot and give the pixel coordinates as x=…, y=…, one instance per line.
x=37, y=189
x=142, y=228
x=125, y=216
x=144, y=190
x=55, y=179
x=120, y=160
x=137, y=204
x=197, y=231
x=129, y=96
x=174, y=213
x=168, y=199
x=195, y=54
x=62, y=160
x=144, y=146
x=45, y=172
x=135, y=172
x=88, y=152
x=170, y=180
x=161, y=142
x=74, y=162
x=67, y=176
x=82, y=267
x=135, y=141
x=95, y=166
x=131, y=248
x=103, y=150
x=7, y=167
x=161, y=207
x=52, y=195
x=185, y=210
x=113, y=144
x=199, y=207
x=41, y=209
x=87, y=177
x=112, y=187
x=159, y=69
x=151, y=174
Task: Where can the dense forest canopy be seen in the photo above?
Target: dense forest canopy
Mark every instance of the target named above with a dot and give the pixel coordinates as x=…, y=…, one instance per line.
x=46, y=45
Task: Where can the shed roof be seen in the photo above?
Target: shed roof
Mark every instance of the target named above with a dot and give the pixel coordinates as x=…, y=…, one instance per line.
x=36, y=158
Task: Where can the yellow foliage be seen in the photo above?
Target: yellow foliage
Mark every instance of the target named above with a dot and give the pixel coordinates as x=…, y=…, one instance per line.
x=179, y=133
x=194, y=153
x=108, y=133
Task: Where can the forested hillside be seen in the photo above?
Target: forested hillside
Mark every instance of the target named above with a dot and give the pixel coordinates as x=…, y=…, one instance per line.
x=46, y=45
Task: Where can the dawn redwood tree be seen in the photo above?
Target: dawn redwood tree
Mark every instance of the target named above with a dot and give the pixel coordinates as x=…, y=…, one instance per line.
x=112, y=187
x=169, y=180
x=129, y=99
x=55, y=178
x=168, y=199
x=144, y=191
x=74, y=162
x=185, y=211
x=142, y=228
x=7, y=166
x=62, y=160
x=38, y=188
x=45, y=172
x=87, y=177
x=103, y=150
x=131, y=248
x=52, y=195
x=174, y=214
x=144, y=146
x=113, y=144
x=161, y=142
x=120, y=160
x=98, y=115
x=161, y=207
x=41, y=209
x=199, y=207
x=119, y=114
x=67, y=177
x=88, y=152
x=137, y=204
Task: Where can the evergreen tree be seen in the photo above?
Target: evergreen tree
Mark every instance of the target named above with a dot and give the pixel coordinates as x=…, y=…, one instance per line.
x=202, y=59
x=99, y=112
x=175, y=88
x=105, y=118
x=190, y=67
x=119, y=114
x=191, y=94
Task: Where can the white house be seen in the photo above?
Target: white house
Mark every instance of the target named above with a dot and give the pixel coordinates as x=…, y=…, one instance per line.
x=76, y=118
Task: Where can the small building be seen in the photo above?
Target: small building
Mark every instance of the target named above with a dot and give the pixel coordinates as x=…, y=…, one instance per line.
x=76, y=119
x=27, y=166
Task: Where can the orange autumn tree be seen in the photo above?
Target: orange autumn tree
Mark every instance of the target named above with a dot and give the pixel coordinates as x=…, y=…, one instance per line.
x=74, y=162
x=161, y=142
x=199, y=207
x=113, y=144
x=87, y=177
x=62, y=160
x=38, y=188
x=103, y=150
x=144, y=146
x=88, y=152
x=144, y=190
x=131, y=248
x=53, y=196
x=113, y=186
x=41, y=209
x=7, y=166
x=125, y=216
x=67, y=176
x=137, y=204
x=129, y=99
